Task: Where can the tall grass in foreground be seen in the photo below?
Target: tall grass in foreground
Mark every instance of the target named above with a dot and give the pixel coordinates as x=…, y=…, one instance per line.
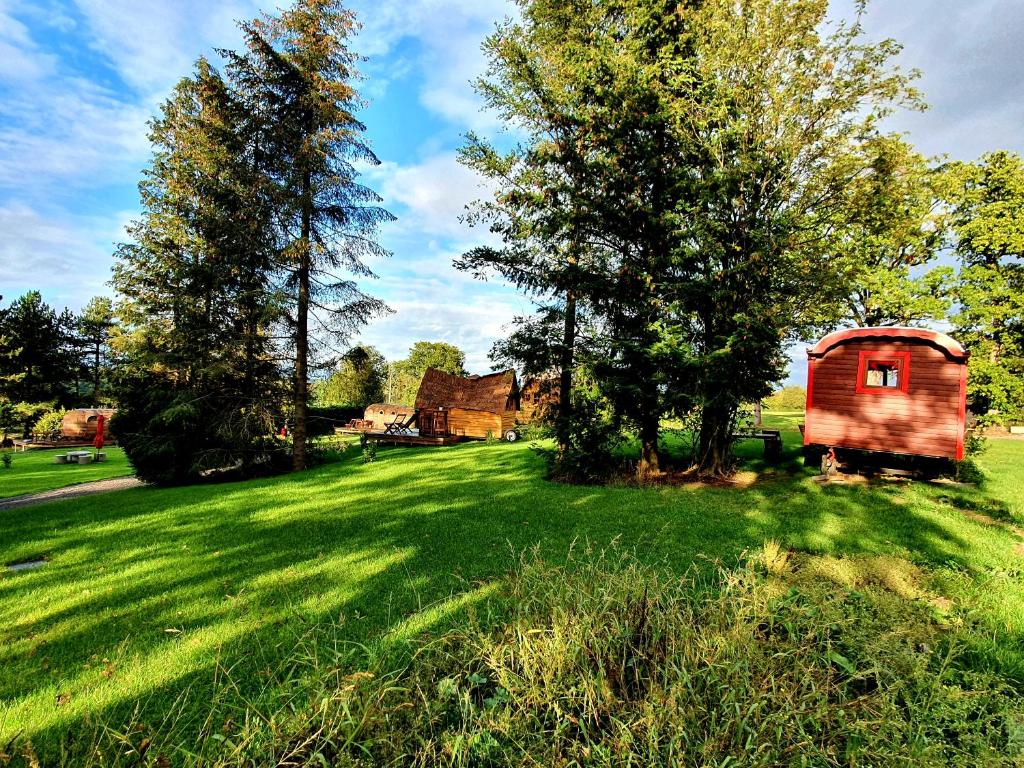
x=785, y=660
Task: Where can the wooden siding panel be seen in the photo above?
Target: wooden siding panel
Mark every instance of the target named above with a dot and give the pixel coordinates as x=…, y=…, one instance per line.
x=924, y=420
x=470, y=423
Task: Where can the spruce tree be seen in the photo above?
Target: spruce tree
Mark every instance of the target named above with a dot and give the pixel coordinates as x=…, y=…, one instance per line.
x=297, y=75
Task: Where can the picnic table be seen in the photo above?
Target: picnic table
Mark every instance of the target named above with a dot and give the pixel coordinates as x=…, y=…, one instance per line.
x=772, y=439
x=78, y=457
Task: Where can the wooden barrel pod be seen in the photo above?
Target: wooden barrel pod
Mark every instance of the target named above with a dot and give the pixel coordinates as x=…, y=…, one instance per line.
x=888, y=390
x=80, y=423
x=383, y=414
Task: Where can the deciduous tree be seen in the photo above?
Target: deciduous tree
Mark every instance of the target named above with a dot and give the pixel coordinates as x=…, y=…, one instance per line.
x=987, y=200
x=358, y=381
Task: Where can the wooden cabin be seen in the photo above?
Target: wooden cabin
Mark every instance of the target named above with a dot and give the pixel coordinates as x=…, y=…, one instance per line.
x=890, y=390
x=473, y=406
x=383, y=414
x=536, y=397
x=80, y=424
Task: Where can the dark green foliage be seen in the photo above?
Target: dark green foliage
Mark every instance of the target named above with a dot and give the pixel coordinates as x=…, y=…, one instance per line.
x=175, y=436
x=198, y=379
x=298, y=75
x=38, y=357
x=591, y=454
x=94, y=328
x=698, y=223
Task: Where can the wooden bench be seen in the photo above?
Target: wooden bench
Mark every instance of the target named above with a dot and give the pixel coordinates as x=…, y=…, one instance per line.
x=772, y=439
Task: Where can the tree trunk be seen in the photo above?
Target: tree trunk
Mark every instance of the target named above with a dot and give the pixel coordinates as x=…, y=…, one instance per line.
x=302, y=333
x=564, y=424
x=714, y=448
x=650, y=461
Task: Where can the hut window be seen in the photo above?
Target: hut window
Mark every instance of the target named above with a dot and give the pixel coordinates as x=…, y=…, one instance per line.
x=880, y=372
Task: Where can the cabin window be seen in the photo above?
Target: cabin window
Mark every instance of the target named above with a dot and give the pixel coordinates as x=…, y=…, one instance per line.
x=883, y=372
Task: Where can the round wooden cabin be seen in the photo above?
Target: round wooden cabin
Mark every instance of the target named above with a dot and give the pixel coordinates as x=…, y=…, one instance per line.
x=80, y=423
x=889, y=390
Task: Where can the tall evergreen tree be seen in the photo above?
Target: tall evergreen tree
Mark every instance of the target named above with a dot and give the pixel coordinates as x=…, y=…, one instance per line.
x=200, y=377
x=93, y=336
x=296, y=74
x=38, y=360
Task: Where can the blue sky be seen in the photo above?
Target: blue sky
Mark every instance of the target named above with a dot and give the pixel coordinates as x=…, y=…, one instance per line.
x=80, y=78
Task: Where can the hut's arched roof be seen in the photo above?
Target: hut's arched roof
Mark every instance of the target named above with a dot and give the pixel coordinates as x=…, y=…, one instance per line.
x=950, y=346
x=482, y=393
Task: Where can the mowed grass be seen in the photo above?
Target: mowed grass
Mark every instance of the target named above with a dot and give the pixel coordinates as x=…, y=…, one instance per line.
x=152, y=595
x=35, y=471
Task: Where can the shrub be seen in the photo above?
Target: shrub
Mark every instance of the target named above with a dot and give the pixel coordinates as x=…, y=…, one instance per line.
x=595, y=437
x=369, y=449
x=49, y=424
x=6, y=459
x=174, y=436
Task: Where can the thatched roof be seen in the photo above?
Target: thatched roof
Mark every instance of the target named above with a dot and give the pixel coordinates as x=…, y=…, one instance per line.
x=495, y=392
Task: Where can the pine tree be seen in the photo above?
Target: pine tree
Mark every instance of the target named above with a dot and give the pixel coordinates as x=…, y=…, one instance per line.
x=199, y=375
x=38, y=360
x=93, y=335
x=296, y=74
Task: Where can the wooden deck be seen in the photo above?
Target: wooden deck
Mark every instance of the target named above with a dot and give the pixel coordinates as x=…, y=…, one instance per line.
x=382, y=438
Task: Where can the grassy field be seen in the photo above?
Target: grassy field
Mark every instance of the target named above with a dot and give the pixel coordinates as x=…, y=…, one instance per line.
x=150, y=594
x=34, y=471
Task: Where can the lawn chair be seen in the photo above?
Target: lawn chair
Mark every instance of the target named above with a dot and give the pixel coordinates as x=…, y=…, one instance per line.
x=400, y=426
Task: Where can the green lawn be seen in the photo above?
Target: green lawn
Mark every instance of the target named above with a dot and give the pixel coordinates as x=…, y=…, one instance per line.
x=151, y=593
x=34, y=471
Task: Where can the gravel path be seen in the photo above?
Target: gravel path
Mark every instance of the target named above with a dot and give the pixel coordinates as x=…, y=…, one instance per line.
x=71, y=492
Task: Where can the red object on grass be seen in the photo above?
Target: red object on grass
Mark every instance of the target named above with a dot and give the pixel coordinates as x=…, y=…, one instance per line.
x=98, y=440
x=889, y=390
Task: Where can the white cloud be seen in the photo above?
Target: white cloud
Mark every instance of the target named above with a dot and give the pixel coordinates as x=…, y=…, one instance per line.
x=153, y=44
x=79, y=136
x=21, y=59
x=449, y=34
x=434, y=193
x=431, y=313
x=971, y=67
x=71, y=256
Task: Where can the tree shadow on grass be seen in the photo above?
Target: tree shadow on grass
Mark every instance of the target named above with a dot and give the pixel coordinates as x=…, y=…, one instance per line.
x=170, y=585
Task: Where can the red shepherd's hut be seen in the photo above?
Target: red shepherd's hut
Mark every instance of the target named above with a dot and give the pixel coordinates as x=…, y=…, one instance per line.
x=892, y=390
